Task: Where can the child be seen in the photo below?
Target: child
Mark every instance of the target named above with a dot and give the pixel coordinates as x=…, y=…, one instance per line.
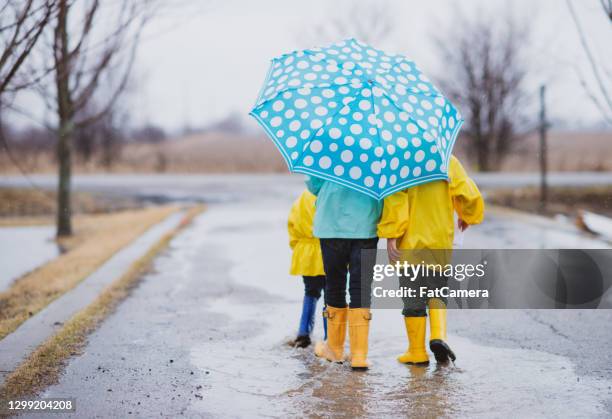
x=345, y=222
x=306, y=261
x=421, y=217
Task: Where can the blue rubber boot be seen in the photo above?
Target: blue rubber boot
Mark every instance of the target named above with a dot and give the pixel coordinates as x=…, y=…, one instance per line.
x=309, y=307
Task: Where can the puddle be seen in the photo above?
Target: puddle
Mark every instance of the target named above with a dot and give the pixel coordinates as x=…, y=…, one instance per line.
x=256, y=374
x=23, y=249
x=253, y=373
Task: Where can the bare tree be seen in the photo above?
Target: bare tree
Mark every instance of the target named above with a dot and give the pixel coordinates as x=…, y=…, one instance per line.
x=82, y=59
x=485, y=74
x=370, y=21
x=21, y=25
x=598, y=90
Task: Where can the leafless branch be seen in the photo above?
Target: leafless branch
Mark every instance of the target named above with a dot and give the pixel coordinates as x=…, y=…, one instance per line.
x=595, y=68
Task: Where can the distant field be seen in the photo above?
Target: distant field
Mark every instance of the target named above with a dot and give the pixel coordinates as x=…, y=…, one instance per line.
x=231, y=153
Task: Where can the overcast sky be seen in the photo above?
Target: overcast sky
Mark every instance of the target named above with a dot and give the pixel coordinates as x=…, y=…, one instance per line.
x=199, y=62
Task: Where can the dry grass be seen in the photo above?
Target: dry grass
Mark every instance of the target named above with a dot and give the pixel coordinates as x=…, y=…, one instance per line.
x=22, y=206
x=44, y=365
x=220, y=152
x=96, y=239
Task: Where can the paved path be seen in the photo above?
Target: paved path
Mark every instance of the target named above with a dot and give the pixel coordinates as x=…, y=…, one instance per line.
x=203, y=335
x=33, y=332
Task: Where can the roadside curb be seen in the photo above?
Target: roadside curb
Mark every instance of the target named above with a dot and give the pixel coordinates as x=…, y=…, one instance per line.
x=17, y=346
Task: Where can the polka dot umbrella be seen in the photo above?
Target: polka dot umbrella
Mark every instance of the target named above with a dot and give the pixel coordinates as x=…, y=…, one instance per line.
x=358, y=116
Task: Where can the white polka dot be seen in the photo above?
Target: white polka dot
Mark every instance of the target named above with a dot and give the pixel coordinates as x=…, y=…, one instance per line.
x=365, y=143
x=321, y=110
x=316, y=124
x=291, y=142
x=368, y=181
x=375, y=167
x=333, y=147
x=316, y=146
x=390, y=149
x=300, y=103
x=305, y=134
x=289, y=114
x=278, y=105
x=364, y=105
x=412, y=129
x=394, y=164
x=346, y=156
x=294, y=82
x=338, y=170
x=316, y=100
x=308, y=161
x=419, y=156
x=264, y=114
x=310, y=76
x=340, y=80
x=386, y=135
x=349, y=141
x=389, y=116
x=382, y=181
x=416, y=142
x=276, y=121
x=416, y=171
x=379, y=151
x=355, y=172
x=402, y=142
x=325, y=162
x=451, y=122
x=430, y=165
x=335, y=133
x=426, y=104
x=357, y=116
x=294, y=155
x=328, y=93
x=404, y=171
x=356, y=129
x=302, y=65
x=364, y=157
x=439, y=101
x=295, y=125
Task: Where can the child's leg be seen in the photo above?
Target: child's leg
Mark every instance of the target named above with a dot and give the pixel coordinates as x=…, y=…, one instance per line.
x=361, y=265
x=312, y=293
x=336, y=255
x=415, y=321
x=437, y=323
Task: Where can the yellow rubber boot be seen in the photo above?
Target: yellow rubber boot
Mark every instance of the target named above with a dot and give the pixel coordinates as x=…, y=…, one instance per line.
x=333, y=348
x=359, y=328
x=416, y=354
x=437, y=338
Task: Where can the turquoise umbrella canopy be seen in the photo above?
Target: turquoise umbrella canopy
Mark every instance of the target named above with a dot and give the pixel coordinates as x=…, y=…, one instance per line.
x=358, y=116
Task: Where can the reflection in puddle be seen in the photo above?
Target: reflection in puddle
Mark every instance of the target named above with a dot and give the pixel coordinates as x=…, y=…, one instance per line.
x=23, y=249
x=256, y=374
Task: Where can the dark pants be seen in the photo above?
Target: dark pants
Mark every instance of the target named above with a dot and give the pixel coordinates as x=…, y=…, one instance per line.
x=314, y=285
x=417, y=306
x=342, y=256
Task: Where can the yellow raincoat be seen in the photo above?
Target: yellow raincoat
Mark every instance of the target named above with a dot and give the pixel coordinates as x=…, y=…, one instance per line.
x=307, y=259
x=421, y=217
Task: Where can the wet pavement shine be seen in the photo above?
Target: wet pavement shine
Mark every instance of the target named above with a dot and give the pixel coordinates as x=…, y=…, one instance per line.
x=204, y=335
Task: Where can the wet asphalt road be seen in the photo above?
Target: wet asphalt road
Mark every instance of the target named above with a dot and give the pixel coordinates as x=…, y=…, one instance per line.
x=203, y=335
